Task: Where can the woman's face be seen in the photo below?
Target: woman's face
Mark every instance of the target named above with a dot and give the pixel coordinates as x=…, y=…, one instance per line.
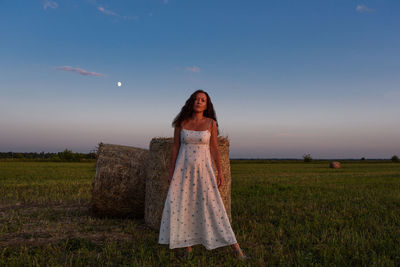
x=200, y=103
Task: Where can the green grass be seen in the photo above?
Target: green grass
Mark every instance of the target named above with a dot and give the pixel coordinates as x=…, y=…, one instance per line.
x=288, y=213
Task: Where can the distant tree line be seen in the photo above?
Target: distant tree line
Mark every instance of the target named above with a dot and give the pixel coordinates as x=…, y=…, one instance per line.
x=307, y=158
x=66, y=155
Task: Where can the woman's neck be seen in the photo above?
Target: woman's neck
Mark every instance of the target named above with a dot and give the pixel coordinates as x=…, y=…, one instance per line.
x=197, y=116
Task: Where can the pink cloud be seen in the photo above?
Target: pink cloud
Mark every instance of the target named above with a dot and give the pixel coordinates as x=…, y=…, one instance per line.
x=363, y=9
x=80, y=71
x=107, y=12
x=49, y=3
x=193, y=69
x=112, y=13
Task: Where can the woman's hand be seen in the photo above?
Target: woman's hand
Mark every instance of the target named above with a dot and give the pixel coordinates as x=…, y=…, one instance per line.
x=220, y=179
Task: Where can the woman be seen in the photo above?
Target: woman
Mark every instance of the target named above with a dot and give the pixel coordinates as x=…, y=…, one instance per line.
x=193, y=211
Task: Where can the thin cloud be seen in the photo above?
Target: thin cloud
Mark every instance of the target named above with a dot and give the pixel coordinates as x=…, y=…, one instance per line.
x=80, y=71
x=193, y=69
x=363, y=9
x=112, y=13
x=49, y=3
x=130, y=17
x=165, y=1
x=107, y=12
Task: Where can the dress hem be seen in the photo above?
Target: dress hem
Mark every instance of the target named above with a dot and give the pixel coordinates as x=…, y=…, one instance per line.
x=197, y=242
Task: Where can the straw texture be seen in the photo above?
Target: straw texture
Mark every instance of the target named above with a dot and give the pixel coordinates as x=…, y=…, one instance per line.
x=118, y=188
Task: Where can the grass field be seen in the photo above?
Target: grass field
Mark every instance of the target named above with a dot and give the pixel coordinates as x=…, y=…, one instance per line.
x=283, y=214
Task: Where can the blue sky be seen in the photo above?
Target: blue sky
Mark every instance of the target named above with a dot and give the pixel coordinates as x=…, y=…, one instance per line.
x=286, y=77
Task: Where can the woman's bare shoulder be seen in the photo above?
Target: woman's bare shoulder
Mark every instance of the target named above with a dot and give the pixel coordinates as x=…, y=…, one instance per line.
x=183, y=122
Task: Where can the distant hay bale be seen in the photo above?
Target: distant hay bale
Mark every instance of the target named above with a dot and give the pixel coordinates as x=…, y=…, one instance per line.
x=119, y=185
x=335, y=165
x=158, y=172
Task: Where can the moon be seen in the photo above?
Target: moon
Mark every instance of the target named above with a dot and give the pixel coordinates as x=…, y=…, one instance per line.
x=119, y=84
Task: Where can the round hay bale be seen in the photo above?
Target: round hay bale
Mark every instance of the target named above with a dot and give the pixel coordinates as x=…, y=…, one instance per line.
x=335, y=165
x=157, y=175
x=119, y=185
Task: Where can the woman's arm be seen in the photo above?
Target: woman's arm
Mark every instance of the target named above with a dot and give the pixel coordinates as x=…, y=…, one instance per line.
x=215, y=151
x=174, y=152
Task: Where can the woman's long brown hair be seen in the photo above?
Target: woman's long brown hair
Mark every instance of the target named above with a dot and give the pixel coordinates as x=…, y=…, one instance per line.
x=187, y=110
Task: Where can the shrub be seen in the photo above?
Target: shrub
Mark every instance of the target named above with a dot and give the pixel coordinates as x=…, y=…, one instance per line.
x=66, y=155
x=395, y=158
x=363, y=158
x=307, y=157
